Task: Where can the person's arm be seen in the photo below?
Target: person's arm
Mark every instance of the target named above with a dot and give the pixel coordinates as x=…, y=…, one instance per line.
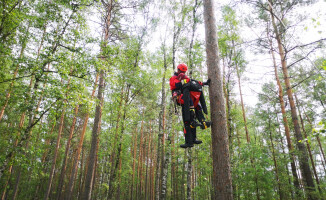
x=175, y=83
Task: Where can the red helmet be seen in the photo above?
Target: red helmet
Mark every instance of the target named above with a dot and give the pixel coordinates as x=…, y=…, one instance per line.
x=182, y=67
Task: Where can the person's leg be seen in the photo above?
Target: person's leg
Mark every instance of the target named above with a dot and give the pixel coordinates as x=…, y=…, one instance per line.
x=194, y=136
x=201, y=118
x=188, y=136
x=187, y=132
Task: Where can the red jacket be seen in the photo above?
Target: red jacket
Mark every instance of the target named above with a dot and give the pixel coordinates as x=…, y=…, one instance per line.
x=175, y=81
x=176, y=85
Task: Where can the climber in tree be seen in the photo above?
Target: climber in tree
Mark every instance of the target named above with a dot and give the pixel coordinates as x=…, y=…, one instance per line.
x=188, y=93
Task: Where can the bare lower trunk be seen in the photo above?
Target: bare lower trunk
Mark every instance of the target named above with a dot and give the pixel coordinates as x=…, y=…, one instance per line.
x=222, y=183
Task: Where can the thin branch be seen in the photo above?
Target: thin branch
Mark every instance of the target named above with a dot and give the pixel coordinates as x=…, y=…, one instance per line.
x=304, y=45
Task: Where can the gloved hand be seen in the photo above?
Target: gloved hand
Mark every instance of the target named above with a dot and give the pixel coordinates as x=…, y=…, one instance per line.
x=207, y=82
x=182, y=76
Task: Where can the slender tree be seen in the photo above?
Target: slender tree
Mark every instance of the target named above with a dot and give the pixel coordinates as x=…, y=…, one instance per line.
x=303, y=156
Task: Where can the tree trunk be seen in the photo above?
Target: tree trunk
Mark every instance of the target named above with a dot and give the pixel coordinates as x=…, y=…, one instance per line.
x=114, y=149
x=14, y=76
x=228, y=105
x=139, y=164
x=47, y=193
x=303, y=157
x=160, y=138
x=64, y=165
x=87, y=193
x=189, y=173
x=117, y=159
x=69, y=190
x=147, y=163
x=285, y=121
x=133, y=164
x=222, y=183
x=241, y=98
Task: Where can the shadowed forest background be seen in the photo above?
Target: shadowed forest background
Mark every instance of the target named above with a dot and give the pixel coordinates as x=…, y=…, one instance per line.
x=86, y=110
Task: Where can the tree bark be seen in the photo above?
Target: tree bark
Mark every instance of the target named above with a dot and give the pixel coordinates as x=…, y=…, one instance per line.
x=160, y=138
x=222, y=183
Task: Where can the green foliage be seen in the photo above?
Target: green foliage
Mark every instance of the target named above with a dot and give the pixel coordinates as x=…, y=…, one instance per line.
x=57, y=57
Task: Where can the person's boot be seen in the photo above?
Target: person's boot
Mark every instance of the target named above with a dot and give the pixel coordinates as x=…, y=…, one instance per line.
x=188, y=138
x=195, y=141
x=193, y=122
x=203, y=123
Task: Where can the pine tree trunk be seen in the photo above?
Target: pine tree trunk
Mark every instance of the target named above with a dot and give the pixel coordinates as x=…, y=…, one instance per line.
x=222, y=183
x=87, y=193
x=303, y=157
x=285, y=121
x=57, y=147
x=65, y=160
x=69, y=190
x=47, y=193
